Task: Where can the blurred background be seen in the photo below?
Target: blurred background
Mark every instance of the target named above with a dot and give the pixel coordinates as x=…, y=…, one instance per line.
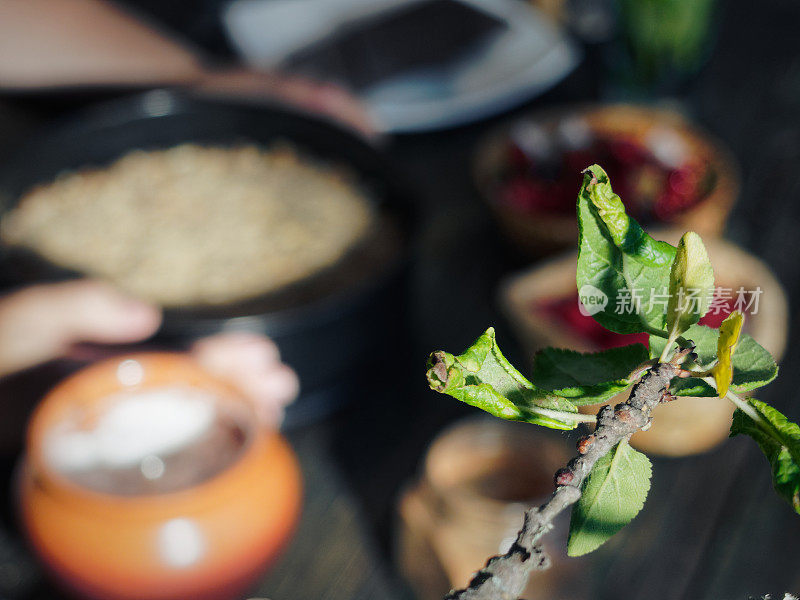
x=363, y=183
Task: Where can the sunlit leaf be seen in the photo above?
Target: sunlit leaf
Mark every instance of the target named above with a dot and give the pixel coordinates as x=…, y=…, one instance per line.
x=691, y=285
x=587, y=378
x=612, y=495
x=779, y=440
x=729, y=331
x=617, y=259
x=482, y=377
x=753, y=366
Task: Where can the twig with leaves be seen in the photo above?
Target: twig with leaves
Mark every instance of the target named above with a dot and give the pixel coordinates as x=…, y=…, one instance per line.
x=683, y=359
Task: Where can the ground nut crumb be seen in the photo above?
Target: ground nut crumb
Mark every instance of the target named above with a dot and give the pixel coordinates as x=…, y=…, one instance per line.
x=196, y=225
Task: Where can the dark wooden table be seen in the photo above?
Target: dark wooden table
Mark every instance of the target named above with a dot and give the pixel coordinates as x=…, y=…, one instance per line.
x=712, y=528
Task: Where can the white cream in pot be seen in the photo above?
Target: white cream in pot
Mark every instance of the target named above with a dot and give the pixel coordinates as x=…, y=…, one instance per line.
x=144, y=441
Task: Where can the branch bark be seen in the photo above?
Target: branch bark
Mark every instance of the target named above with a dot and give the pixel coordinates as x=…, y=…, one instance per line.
x=505, y=576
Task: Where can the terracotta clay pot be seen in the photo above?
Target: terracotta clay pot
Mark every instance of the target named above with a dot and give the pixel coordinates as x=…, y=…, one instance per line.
x=480, y=475
x=542, y=234
x=208, y=541
x=690, y=425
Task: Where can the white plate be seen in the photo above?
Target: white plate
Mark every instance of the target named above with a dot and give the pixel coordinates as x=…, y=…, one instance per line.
x=525, y=59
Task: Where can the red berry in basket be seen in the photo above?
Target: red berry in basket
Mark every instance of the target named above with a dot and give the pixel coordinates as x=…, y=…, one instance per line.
x=516, y=194
x=628, y=152
x=680, y=193
x=576, y=161
x=667, y=206
x=682, y=181
x=526, y=195
x=567, y=312
x=517, y=159
x=719, y=310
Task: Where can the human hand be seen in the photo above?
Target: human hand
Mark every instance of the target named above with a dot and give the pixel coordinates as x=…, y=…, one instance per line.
x=253, y=364
x=321, y=98
x=65, y=43
x=44, y=322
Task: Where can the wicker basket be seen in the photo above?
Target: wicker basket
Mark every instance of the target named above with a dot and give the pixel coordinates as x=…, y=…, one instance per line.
x=542, y=234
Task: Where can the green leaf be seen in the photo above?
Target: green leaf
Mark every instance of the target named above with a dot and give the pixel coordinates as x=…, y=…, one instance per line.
x=779, y=440
x=588, y=378
x=619, y=260
x=482, y=377
x=691, y=285
x=612, y=495
x=753, y=366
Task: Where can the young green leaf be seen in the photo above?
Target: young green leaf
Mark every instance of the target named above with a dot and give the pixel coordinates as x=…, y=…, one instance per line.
x=779, y=440
x=612, y=495
x=691, y=285
x=619, y=260
x=589, y=378
x=753, y=366
x=483, y=377
x=729, y=331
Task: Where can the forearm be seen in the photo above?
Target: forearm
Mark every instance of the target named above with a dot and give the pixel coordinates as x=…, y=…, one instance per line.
x=54, y=43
